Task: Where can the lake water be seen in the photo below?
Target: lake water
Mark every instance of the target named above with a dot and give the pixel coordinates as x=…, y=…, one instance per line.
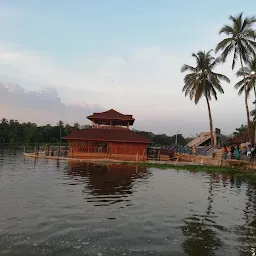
x=60, y=208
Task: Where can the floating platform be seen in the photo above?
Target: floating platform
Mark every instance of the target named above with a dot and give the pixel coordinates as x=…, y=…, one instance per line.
x=41, y=155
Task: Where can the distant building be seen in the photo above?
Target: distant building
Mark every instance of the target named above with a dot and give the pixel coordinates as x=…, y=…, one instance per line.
x=240, y=139
x=109, y=137
x=204, y=139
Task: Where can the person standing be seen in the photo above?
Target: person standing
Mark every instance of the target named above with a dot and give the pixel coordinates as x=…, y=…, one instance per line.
x=194, y=150
x=51, y=150
x=232, y=151
x=249, y=151
x=224, y=152
x=237, y=152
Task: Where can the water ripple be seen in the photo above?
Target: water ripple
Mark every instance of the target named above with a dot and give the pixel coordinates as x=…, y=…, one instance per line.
x=50, y=208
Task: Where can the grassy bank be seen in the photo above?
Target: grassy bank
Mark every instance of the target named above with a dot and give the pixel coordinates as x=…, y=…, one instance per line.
x=194, y=168
x=243, y=174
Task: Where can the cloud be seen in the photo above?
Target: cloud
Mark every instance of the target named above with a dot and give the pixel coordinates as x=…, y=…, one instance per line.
x=42, y=107
x=145, y=82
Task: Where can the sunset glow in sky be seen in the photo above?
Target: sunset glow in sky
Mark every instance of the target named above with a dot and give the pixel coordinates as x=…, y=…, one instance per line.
x=66, y=59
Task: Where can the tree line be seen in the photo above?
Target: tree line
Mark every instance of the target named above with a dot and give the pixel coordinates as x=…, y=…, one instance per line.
x=203, y=82
x=11, y=131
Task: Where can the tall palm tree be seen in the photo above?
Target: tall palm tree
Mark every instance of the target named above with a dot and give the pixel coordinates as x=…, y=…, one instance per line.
x=250, y=75
x=240, y=41
x=202, y=81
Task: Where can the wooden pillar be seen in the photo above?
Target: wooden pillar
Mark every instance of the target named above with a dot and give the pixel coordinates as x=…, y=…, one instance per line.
x=110, y=124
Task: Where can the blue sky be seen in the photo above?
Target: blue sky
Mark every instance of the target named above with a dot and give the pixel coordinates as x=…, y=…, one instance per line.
x=117, y=54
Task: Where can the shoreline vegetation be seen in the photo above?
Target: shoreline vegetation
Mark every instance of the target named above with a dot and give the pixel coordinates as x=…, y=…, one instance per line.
x=196, y=168
x=238, y=173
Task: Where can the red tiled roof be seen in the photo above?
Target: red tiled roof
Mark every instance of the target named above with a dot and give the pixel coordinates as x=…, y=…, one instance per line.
x=111, y=115
x=109, y=135
x=243, y=138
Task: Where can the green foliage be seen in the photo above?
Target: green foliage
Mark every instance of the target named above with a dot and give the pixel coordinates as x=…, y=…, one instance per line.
x=202, y=81
x=243, y=128
x=54, y=140
x=250, y=76
x=239, y=131
x=240, y=42
x=14, y=132
x=240, y=39
x=239, y=173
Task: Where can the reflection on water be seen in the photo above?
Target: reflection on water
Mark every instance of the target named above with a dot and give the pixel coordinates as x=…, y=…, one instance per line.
x=59, y=208
x=201, y=237
x=108, y=184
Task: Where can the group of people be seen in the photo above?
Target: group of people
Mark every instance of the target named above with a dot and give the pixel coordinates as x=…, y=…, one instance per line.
x=234, y=151
x=49, y=151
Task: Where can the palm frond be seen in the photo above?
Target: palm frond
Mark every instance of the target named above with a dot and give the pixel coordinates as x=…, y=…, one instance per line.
x=248, y=22
x=202, y=81
x=250, y=49
x=243, y=71
x=226, y=30
x=223, y=44
x=241, y=39
x=235, y=57
x=214, y=93
x=241, y=90
x=185, y=68
x=222, y=77
x=239, y=84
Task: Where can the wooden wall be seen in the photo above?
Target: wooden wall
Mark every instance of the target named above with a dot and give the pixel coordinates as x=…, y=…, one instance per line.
x=115, y=150
x=127, y=148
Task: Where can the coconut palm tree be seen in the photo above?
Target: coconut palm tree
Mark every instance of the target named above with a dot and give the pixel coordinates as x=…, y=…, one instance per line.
x=202, y=81
x=249, y=71
x=250, y=76
x=241, y=42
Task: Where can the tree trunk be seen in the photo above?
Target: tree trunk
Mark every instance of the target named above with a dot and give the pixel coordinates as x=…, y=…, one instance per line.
x=210, y=119
x=255, y=113
x=246, y=103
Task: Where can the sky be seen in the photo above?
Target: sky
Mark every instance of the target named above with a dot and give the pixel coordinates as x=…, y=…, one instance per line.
x=64, y=60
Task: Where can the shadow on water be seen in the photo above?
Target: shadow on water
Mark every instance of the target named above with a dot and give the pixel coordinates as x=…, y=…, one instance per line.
x=106, y=185
x=201, y=237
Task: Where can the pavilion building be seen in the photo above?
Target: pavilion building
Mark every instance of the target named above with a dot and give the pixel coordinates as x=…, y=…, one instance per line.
x=109, y=137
